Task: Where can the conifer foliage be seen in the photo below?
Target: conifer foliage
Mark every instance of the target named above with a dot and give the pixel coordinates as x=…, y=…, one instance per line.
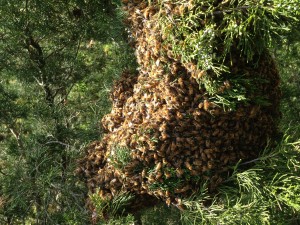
x=57, y=59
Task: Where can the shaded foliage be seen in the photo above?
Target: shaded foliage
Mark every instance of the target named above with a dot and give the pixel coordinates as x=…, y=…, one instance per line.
x=58, y=60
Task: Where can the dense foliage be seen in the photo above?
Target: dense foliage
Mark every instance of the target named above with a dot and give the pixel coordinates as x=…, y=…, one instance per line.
x=58, y=61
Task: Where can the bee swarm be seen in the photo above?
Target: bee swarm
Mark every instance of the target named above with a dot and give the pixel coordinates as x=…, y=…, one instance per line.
x=164, y=135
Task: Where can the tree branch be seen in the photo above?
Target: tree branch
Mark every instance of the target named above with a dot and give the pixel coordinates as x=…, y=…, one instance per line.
x=17, y=137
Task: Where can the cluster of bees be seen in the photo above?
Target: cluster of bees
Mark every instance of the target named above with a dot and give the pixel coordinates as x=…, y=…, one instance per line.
x=163, y=128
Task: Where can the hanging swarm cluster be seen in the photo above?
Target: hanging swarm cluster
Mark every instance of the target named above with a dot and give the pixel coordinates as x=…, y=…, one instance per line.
x=164, y=135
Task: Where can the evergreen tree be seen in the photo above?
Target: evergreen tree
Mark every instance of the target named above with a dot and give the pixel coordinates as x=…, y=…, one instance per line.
x=57, y=60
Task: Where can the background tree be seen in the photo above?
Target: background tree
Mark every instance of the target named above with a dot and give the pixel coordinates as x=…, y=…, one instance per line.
x=58, y=60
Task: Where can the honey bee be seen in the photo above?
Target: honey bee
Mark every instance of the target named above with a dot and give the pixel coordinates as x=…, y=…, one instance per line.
x=170, y=54
x=163, y=127
x=195, y=172
x=147, y=12
x=173, y=146
x=168, y=201
x=210, y=165
x=208, y=151
x=204, y=169
x=144, y=173
x=164, y=136
x=208, y=143
x=158, y=175
x=181, y=9
x=151, y=179
x=190, y=141
x=116, y=173
x=179, y=115
x=254, y=111
x=179, y=205
x=91, y=184
x=179, y=172
x=226, y=160
x=106, y=177
x=180, y=82
x=203, y=156
x=190, y=90
x=197, y=162
x=158, y=167
x=200, y=106
x=181, y=190
x=167, y=174
x=206, y=104
x=113, y=181
x=188, y=165
x=156, y=51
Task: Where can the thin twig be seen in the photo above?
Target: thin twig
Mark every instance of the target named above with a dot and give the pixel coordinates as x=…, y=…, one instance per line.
x=57, y=142
x=258, y=159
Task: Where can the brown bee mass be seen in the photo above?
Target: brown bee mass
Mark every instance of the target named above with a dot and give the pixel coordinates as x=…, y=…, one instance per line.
x=164, y=136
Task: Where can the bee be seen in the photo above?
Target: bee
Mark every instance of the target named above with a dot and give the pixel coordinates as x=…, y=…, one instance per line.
x=168, y=201
x=164, y=136
x=147, y=55
x=203, y=156
x=181, y=9
x=254, y=111
x=188, y=165
x=181, y=190
x=208, y=151
x=210, y=165
x=91, y=184
x=195, y=172
x=173, y=146
x=146, y=12
x=108, y=196
x=160, y=193
x=167, y=174
x=200, y=106
x=151, y=178
x=158, y=175
x=116, y=173
x=158, y=167
x=179, y=206
x=144, y=173
x=155, y=156
x=190, y=141
x=179, y=115
x=190, y=90
x=113, y=181
x=206, y=104
x=226, y=160
x=156, y=51
x=170, y=54
x=163, y=127
x=197, y=162
x=179, y=172
x=143, y=192
x=204, y=169
x=107, y=177
x=180, y=82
